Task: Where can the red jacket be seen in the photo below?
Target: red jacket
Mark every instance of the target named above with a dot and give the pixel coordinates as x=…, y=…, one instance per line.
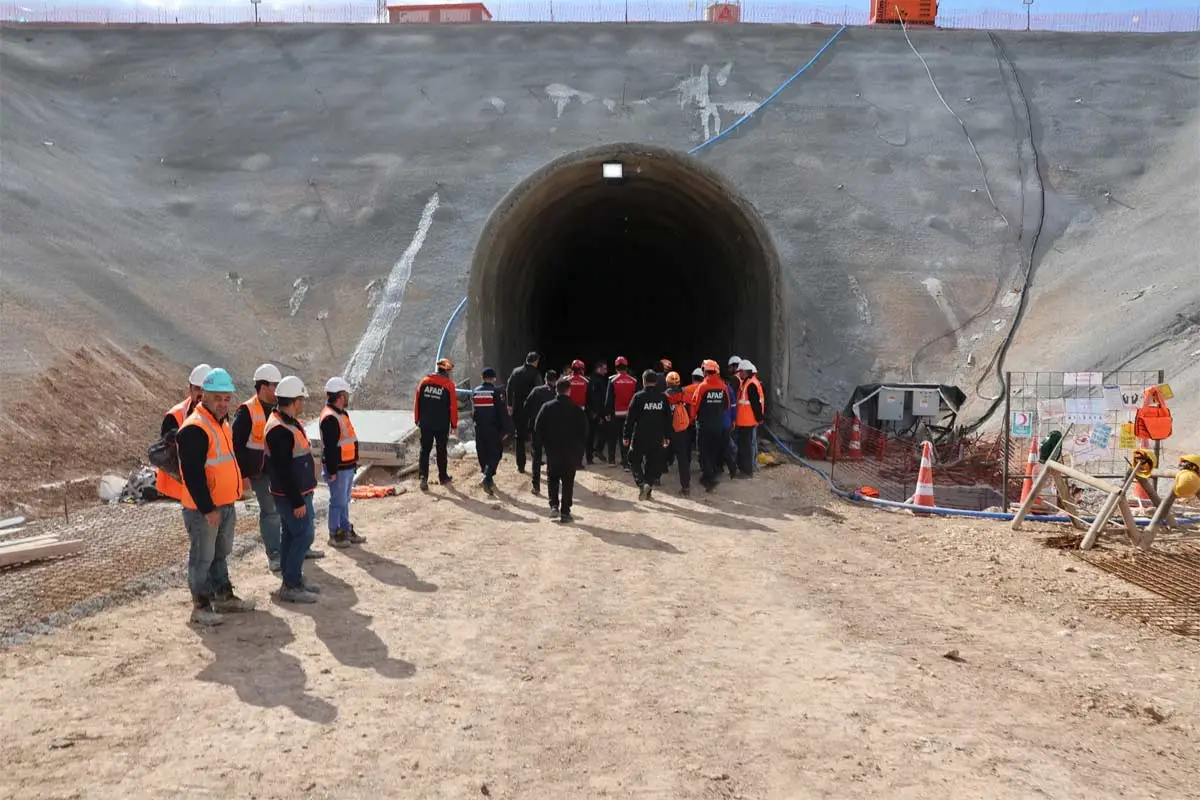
x=579, y=390
x=621, y=389
x=436, y=403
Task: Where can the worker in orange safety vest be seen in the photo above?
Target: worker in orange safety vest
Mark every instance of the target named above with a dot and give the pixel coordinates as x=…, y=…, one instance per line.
x=339, y=460
x=751, y=411
x=212, y=483
x=166, y=484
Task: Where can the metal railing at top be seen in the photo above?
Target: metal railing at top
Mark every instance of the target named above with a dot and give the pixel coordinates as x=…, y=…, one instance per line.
x=612, y=11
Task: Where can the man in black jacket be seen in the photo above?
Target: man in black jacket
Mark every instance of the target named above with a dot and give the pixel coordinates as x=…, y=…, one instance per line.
x=293, y=479
x=647, y=433
x=523, y=380
x=492, y=425
x=533, y=404
x=596, y=397
x=561, y=427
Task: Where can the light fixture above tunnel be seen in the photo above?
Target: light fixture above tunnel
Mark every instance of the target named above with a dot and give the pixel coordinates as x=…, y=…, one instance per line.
x=613, y=171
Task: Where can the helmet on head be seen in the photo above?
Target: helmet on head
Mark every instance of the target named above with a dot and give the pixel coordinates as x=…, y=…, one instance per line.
x=666, y=363
x=335, y=385
x=290, y=388
x=445, y=363
x=672, y=379
x=218, y=381
x=697, y=373
x=577, y=364
x=708, y=365
x=198, y=374
x=622, y=361
x=747, y=366
x=269, y=373
x=734, y=361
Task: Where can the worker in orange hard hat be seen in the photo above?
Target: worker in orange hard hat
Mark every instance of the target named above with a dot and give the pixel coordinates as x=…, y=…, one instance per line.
x=710, y=409
x=681, y=430
x=435, y=411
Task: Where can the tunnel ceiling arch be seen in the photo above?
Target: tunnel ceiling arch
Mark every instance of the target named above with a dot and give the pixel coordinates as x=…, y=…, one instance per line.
x=669, y=262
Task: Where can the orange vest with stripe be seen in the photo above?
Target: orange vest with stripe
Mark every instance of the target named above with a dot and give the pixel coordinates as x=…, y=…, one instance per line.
x=745, y=414
x=303, y=472
x=347, y=438
x=258, y=425
x=164, y=483
x=220, y=467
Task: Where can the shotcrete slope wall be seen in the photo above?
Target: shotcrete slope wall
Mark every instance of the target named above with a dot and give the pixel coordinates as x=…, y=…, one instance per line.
x=212, y=190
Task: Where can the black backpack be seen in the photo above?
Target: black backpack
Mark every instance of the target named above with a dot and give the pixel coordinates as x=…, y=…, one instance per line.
x=164, y=454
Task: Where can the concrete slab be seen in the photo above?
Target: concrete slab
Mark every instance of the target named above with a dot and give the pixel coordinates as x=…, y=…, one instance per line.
x=379, y=434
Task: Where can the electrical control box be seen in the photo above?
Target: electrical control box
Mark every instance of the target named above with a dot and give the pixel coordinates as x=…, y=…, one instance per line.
x=891, y=405
x=926, y=402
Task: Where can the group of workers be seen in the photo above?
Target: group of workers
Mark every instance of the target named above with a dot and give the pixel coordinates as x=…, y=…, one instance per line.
x=264, y=449
x=571, y=420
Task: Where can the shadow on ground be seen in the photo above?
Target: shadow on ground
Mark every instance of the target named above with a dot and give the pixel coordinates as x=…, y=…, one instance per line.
x=387, y=571
x=346, y=632
x=249, y=658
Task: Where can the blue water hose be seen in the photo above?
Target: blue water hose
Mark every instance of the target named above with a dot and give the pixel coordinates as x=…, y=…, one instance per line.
x=938, y=510
x=770, y=97
x=446, y=331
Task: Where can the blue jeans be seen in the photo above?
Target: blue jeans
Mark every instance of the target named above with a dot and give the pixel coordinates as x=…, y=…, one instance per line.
x=339, y=500
x=269, y=526
x=208, y=548
x=297, y=538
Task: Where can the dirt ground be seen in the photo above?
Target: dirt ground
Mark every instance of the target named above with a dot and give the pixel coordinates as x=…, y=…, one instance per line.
x=94, y=410
x=762, y=642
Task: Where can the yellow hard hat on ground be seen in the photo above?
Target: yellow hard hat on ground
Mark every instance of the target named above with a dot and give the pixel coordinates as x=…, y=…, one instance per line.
x=1192, y=460
x=1146, y=462
x=1187, y=484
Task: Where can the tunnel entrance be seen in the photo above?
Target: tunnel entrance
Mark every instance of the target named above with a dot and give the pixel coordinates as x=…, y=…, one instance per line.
x=669, y=261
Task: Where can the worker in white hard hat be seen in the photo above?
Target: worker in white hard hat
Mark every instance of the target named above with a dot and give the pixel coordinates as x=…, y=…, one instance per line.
x=250, y=447
x=212, y=484
x=166, y=484
x=293, y=479
x=751, y=411
x=339, y=460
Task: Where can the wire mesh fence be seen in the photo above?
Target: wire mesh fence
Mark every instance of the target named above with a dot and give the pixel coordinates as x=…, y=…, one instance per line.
x=1092, y=411
x=611, y=11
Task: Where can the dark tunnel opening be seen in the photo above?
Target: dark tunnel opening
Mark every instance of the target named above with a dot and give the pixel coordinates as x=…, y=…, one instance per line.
x=667, y=262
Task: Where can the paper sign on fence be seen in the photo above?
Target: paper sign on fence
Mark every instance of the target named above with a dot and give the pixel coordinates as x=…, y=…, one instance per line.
x=1127, y=440
x=1022, y=425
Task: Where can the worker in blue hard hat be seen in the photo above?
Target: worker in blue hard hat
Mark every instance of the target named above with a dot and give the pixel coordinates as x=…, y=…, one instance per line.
x=212, y=483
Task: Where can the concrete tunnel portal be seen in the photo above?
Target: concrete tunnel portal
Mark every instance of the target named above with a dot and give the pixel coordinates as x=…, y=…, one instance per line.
x=670, y=261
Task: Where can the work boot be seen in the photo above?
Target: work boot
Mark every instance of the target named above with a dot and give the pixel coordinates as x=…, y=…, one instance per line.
x=354, y=537
x=226, y=602
x=311, y=588
x=313, y=554
x=291, y=594
x=489, y=486
x=554, y=512
x=536, y=489
x=339, y=539
x=274, y=564
x=445, y=479
x=202, y=614
x=424, y=484
x=685, y=492
x=644, y=491
x=565, y=518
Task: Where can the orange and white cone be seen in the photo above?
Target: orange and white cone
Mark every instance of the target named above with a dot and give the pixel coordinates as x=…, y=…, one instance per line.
x=923, y=496
x=1031, y=469
x=855, y=448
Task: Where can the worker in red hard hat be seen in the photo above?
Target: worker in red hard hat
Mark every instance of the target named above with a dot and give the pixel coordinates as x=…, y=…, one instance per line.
x=621, y=389
x=578, y=393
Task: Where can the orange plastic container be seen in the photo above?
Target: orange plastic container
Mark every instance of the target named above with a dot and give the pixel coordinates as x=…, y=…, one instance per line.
x=912, y=12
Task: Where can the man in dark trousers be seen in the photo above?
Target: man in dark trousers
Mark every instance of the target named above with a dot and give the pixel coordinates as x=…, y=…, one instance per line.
x=751, y=410
x=523, y=380
x=533, y=404
x=681, y=431
x=647, y=433
x=435, y=411
x=621, y=389
x=734, y=383
x=561, y=427
x=710, y=408
x=596, y=396
x=249, y=445
x=492, y=426
x=293, y=480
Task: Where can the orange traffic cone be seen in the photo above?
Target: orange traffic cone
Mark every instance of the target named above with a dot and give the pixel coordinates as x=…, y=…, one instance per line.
x=923, y=496
x=855, y=448
x=1031, y=468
